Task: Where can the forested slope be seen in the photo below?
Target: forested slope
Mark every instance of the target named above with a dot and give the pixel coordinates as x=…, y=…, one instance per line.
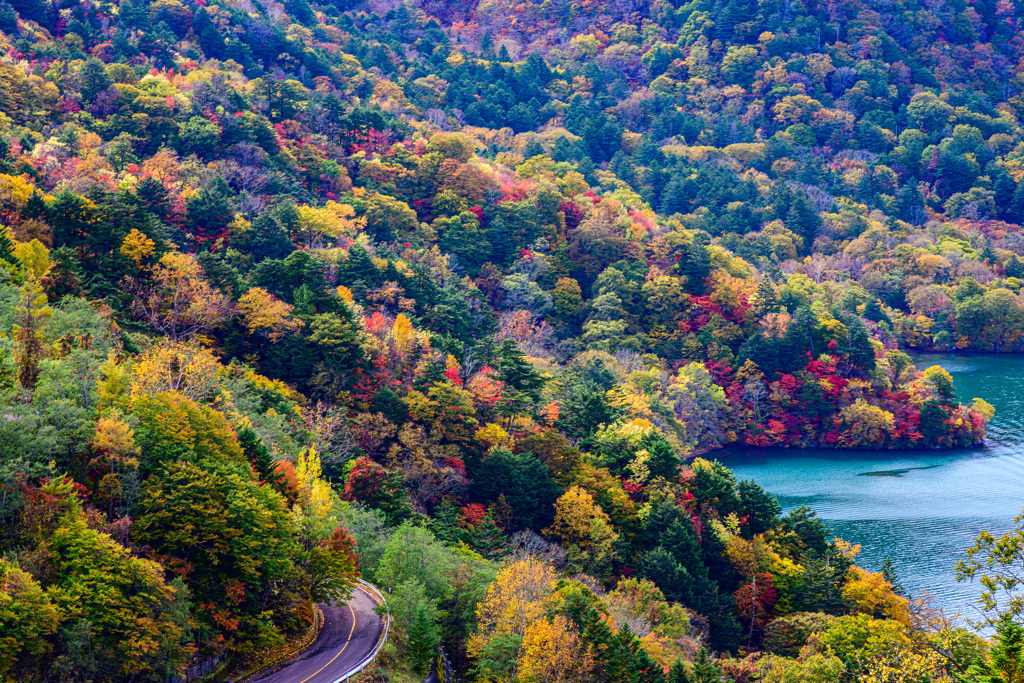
x=291, y=289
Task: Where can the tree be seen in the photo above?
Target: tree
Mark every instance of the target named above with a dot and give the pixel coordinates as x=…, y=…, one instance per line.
x=372, y=485
x=197, y=135
x=27, y=616
x=552, y=652
x=263, y=313
x=121, y=152
x=760, y=508
x=209, y=213
x=582, y=525
x=31, y=316
x=415, y=616
x=114, y=451
x=184, y=368
x=178, y=301
x=137, y=247
x=513, y=602
x=705, y=669
x=523, y=480
x=135, y=621
x=226, y=536
x=998, y=565
x=7, y=248
x=889, y=573
x=993, y=321
x=388, y=219
x=1005, y=660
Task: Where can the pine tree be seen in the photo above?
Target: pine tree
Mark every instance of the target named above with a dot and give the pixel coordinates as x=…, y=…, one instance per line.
x=516, y=372
x=1015, y=214
x=533, y=148
x=1005, y=661
x=889, y=574
x=695, y=264
x=873, y=311
x=988, y=254
x=488, y=539
x=257, y=453
x=31, y=315
x=677, y=674
x=8, y=19
x=767, y=299
x=910, y=203
x=705, y=670
x=7, y=248
x=674, y=199
x=1013, y=266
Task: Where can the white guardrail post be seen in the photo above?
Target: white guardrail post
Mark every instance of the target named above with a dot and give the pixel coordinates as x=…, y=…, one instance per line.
x=378, y=597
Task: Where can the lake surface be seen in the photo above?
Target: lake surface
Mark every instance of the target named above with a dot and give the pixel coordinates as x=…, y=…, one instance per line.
x=921, y=508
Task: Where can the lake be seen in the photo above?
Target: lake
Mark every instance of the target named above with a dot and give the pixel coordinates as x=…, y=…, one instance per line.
x=921, y=508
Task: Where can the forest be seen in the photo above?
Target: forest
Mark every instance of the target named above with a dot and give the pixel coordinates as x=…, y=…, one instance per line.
x=291, y=293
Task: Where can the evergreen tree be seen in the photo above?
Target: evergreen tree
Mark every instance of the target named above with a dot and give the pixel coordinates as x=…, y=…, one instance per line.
x=267, y=239
x=488, y=539
x=1015, y=214
x=209, y=212
x=695, y=264
x=674, y=199
x=257, y=453
x=705, y=670
x=1005, y=660
x=561, y=150
x=516, y=372
x=803, y=219
x=677, y=674
x=8, y=20
x=533, y=148
x=988, y=254
x=767, y=299
x=7, y=248
x=910, y=203
x=1013, y=266
x=873, y=311
x=889, y=574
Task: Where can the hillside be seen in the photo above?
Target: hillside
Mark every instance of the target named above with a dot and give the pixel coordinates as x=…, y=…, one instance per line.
x=296, y=291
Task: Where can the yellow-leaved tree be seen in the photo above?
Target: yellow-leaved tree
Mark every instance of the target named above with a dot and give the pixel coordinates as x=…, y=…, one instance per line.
x=264, y=314
x=517, y=598
x=176, y=300
x=113, y=452
x=313, y=512
x=872, y=594
x=137, y=248
x=34, y=258
x=552, y=652
x=321, y=226
x=329, y=558
x=584, y=528
x=31, y=316
x=184, y=367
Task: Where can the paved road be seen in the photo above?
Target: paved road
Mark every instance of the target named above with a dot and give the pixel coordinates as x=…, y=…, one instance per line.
x=349, y=634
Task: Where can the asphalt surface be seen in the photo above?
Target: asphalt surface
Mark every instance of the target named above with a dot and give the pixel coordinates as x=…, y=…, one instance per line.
x=349, y=634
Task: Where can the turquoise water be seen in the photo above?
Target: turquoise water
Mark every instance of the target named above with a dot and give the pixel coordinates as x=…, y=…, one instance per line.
x=921, y=508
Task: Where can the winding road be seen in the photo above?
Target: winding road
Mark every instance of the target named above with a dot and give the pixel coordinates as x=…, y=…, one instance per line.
x=349, y=635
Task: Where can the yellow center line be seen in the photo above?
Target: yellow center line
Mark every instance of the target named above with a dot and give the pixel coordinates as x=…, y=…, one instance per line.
x=351, y=631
